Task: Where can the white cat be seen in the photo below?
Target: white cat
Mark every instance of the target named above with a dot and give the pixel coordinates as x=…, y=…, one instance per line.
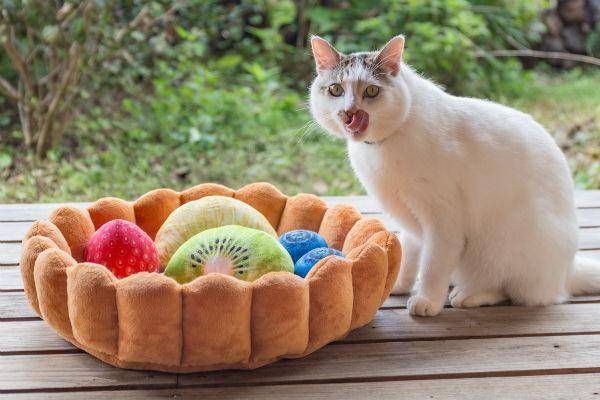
x=482, y=192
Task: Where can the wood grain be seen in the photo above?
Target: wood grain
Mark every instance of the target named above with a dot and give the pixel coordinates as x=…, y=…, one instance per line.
x=334, y=363
x=365, y=204
x=13, y=231
x=9, y=254
x=10, y=278
x=549, y=387
x=492, y=352
x=588, y=217
x=501, y=321
x=31, y=212
x=63, y=371
x=15, y=305
x=400, y=301
x=423, y=359
x=587, y=198
x=19, y=337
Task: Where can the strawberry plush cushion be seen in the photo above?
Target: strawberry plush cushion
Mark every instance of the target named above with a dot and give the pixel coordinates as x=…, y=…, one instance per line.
x=123, y=248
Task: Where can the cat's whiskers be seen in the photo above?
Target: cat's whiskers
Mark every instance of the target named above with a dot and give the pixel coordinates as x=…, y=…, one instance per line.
x=305, y=105
x=311, y=127
x=307, y=129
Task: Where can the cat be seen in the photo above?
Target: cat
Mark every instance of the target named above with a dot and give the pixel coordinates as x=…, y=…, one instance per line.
x=482, y=192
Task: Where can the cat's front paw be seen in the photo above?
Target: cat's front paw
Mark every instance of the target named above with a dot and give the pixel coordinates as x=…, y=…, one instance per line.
x=422, y=306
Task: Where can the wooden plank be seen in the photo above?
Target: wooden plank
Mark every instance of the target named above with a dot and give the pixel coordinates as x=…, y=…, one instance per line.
x=400, y=301
x=31, y=212
x=336, y=363
x=62, y=371
x=366, y=204
x=29, y=337
x=10, y=253
x=13, y=231
x=588, y=217
x=587, y=198
x=593, y=254
x=10, y=279
x=35, y=211
x=546, y=387
x=500, y=321
x=423, y=359
x=589, y=238
x=20, y=337
x=15, y=305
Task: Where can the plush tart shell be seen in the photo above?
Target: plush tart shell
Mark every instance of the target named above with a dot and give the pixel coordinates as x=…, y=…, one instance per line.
x=149, y=321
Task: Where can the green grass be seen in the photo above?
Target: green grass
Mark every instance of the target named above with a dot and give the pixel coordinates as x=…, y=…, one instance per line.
x=100, y=164
x=568, y=105
x=98, y=158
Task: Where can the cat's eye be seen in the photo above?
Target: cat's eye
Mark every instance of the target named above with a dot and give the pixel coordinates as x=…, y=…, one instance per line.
x=336, y=90
x=371, y=91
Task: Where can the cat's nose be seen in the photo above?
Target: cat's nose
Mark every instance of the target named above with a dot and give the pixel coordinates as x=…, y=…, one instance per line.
x=349, y=114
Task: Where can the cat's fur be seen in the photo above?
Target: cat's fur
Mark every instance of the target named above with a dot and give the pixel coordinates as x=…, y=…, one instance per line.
x=482, y=192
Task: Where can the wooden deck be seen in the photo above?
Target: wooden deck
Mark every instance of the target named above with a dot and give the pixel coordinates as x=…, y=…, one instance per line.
x=503, y=352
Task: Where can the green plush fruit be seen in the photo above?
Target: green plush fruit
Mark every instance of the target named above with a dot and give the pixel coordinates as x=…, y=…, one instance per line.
x=200, y=215
x=244, y=253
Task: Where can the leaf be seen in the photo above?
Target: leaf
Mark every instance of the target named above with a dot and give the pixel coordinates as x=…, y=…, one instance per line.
x=5, y=160
x=229, y=61
x=139, y=36
x=50, y=33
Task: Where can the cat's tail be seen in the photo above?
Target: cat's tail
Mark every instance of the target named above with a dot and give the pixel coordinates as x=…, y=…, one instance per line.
x=585, y=277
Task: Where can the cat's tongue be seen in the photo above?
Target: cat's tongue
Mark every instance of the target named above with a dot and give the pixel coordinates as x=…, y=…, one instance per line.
x=359, y=122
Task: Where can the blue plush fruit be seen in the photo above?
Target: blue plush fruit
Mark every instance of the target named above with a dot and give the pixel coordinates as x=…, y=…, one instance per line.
x=300, y=242
x=307, y=261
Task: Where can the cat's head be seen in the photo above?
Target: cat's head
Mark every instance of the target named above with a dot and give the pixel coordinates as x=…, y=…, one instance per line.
x=359, y=96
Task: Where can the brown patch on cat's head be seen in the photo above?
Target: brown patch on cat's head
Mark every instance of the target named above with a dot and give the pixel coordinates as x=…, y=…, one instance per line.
x=360, y=66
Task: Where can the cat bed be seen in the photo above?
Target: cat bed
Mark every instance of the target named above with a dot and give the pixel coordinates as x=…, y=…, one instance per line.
x=149, y=321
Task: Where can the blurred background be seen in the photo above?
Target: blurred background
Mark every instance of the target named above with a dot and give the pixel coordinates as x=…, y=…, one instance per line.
x=119, y=97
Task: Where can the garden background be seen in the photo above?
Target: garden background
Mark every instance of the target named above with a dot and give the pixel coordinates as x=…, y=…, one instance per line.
x=119, y=97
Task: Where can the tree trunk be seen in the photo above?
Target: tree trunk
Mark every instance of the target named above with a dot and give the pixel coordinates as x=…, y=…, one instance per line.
x=25, y=117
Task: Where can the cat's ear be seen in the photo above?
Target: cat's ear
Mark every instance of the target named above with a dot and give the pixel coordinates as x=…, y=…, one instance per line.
x=326, y=56
x=391, y=54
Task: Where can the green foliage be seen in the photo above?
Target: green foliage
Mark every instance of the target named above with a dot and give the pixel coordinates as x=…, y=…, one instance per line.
x=446, y=40
x=177, y=93
x=211, y=125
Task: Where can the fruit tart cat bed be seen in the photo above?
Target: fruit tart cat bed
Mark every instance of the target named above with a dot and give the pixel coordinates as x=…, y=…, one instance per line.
x=150, y=321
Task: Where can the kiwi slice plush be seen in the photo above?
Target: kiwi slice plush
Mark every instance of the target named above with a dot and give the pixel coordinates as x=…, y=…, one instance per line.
x=205, y=213
x=242, y=252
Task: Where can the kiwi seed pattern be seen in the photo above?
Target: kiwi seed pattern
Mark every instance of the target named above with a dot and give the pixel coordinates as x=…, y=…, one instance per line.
x=222, y=247
x=242, y=252
x=206, y=213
